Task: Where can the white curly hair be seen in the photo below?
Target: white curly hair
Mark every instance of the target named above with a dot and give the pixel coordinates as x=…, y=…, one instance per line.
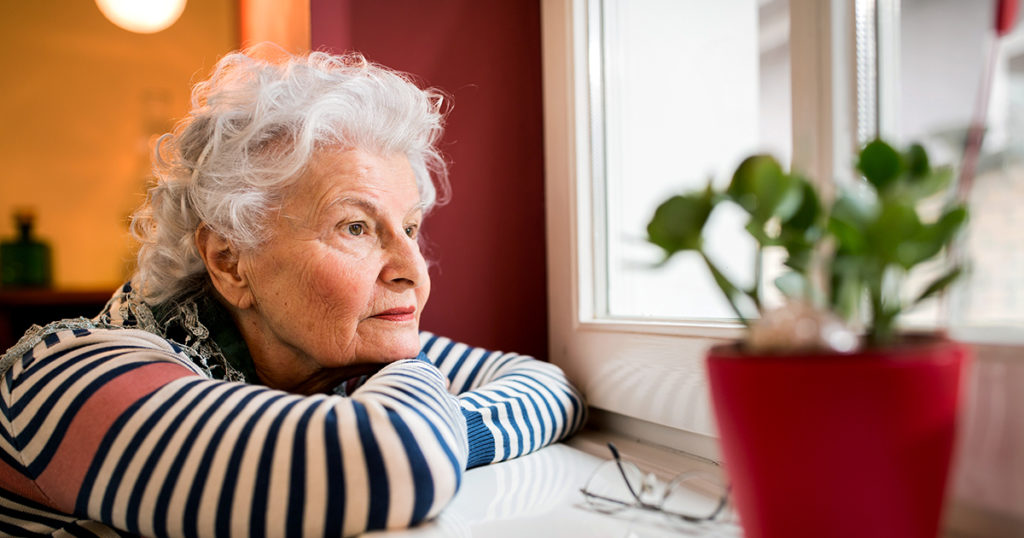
x=254, y=126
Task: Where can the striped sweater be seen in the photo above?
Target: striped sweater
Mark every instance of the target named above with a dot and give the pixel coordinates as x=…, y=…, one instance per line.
x=111, y=431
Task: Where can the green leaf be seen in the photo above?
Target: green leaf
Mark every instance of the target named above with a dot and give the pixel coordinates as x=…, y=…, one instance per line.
x=793, y=285
x=880, y=164
x=932, y=238
x=808, y=212
x=679, y=221
x=799, y=257
x=916, y=159
x=803, y=229
x=939, y=284
x=849, y=221
x=761, y=188
x=758, y=232
x=950, y=223
x=922, y=187
x=890, y=238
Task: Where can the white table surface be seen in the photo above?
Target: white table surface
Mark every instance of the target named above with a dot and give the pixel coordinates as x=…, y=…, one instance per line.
x=538, y=495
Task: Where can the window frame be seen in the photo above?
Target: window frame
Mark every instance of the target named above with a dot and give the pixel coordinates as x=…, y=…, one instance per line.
x=624, y=367
x=659, y=357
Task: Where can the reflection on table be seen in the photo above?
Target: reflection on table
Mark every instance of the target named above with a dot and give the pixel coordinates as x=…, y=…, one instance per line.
x=538, y=495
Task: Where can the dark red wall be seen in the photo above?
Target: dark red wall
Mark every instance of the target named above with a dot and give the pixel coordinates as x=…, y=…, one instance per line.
x=487, y=244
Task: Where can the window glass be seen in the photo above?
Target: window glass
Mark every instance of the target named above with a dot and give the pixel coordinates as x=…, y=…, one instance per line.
x=686, y=90
x=937, y=67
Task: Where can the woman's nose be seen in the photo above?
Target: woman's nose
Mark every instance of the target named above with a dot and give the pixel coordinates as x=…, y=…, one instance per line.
x=404, y=264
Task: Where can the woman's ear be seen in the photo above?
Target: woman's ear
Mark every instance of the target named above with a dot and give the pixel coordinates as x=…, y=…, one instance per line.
x=221, y=260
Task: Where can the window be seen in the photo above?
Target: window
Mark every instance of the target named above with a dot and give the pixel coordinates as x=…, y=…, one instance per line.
x=616, y=143
x=681, y=92
x=929, y=75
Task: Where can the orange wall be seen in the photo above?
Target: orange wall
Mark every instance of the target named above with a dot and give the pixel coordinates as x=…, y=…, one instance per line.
x=80, y=98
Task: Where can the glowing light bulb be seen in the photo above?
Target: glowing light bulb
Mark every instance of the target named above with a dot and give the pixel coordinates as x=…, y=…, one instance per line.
x=142, y=16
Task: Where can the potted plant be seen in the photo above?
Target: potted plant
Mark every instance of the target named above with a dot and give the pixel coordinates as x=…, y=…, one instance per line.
x=832, y=421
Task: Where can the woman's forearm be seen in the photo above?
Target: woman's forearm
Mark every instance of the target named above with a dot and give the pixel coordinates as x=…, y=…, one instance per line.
x=195, y=456
x=514, y=404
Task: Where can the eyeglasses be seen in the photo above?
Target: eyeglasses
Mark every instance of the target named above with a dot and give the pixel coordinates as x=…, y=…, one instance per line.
x=693, y=496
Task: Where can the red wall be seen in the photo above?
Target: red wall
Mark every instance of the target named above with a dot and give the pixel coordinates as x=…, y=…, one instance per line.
x=487, y=244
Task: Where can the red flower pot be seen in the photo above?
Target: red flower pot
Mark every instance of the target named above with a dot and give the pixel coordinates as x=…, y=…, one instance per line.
x=834, y=445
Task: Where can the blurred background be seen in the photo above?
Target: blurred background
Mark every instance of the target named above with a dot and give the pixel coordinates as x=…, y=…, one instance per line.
x=84, y=100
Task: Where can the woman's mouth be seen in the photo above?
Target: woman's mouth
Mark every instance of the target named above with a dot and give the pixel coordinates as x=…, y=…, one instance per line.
x=403, y=313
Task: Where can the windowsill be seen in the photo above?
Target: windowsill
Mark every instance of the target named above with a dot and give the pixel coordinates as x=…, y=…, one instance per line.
x=539, y=495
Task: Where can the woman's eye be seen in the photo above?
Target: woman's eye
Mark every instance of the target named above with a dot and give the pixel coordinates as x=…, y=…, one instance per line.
x=355, y=228
x=411, y=231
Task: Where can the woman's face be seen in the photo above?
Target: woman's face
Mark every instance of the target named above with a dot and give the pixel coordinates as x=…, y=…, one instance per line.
x=342, y=282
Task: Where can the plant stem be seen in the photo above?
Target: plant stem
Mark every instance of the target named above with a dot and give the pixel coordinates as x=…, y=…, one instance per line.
x=879, y=320
x=755, y=294
x=727, y=287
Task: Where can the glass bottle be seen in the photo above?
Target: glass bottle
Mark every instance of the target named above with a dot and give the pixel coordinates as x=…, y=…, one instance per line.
x=25, y=261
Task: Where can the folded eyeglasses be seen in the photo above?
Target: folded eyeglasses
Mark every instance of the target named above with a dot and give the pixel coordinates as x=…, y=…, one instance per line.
x=693, y=496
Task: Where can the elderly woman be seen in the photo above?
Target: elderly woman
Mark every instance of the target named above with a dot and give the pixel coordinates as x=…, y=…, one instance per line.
x=263, y=373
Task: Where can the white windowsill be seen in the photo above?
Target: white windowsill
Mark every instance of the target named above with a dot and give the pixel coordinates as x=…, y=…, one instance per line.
x=538, y=495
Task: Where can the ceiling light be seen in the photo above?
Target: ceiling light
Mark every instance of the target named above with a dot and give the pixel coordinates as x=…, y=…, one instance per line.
x=142, y=16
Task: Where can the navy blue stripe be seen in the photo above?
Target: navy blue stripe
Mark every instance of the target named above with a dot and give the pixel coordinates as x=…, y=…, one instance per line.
x=335, y=475
x=38, y=465
x=55, y=372
x=26, y=361
x=443, y=356
x=51, y=340
x=533, y=395
x=138, y=436
x=81, y=332
x=379, y=494
x=429, y=392
x=9, y=460
x=518, y=398
x=261, y=490
x=534, y=391
x=566, y=427
x=297, y=487
x=481, y=440
x=75, y=529
x=13, y=530
x=429, y=345
x=494, y=419
x=423, y=480
x=211, y=448
x=461, y=363
x=167, y=489
x=511, y=420
x=6, y=412
x=234, y=466
x=85, y=493
x=483, y=375
x=452, y=458
x=490, y=371
x=476, y=371
x=54, y=520
x=446, y=354
x=149, y=466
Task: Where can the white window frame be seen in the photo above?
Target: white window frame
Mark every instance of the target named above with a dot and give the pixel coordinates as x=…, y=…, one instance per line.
x=647, y=380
